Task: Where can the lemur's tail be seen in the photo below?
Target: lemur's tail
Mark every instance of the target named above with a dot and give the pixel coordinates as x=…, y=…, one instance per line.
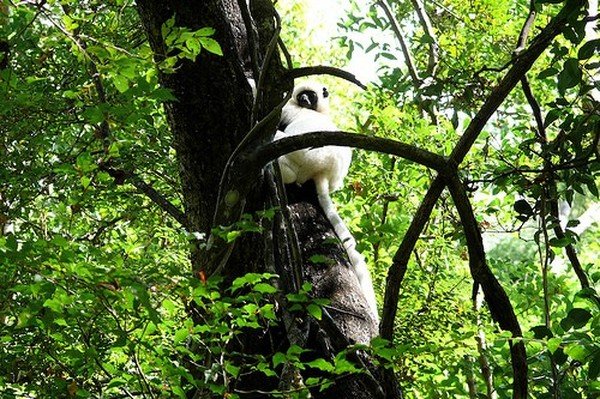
x=356, y=259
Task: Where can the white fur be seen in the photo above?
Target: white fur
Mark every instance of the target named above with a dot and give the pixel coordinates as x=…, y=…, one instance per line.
x=327, y=166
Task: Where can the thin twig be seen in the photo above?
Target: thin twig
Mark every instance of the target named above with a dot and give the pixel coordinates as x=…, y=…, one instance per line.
x=522, y=40
x=433, y=60
x=150, y=192
x=412, y=70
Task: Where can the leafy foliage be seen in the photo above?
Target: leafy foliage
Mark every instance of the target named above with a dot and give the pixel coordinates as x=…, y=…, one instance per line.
x=95, y=287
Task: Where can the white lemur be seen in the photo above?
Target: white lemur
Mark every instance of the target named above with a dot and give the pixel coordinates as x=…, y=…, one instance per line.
x=308, y=111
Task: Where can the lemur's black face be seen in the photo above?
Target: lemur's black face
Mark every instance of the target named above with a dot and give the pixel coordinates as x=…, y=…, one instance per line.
x=308, y=99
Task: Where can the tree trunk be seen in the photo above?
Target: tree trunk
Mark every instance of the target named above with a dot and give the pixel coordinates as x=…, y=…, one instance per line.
x=212, y=114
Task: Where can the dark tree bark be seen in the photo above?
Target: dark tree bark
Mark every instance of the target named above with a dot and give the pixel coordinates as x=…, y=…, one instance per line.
x=211, y=117
x=214, y=100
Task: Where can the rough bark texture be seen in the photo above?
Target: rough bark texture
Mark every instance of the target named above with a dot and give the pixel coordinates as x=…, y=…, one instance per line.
x=214, y=100
x=335, y=279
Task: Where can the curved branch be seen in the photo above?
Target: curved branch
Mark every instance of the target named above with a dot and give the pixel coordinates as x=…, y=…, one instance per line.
x=400, y=261
x=520, y=66
x=324, y=70
x=280, y=147
x=497, y=300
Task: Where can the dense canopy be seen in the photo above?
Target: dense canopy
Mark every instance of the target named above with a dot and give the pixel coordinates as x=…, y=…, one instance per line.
x=147, y=249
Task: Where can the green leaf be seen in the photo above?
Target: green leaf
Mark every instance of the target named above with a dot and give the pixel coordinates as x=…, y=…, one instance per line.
x=588, y=49
x=55, y=304
x=321, y=364
x=265, y=288
x=121, y=83
x=193, y=45
x=570, y=76
x=546, y=73
x=205, y=32
x=232, y=369
x=315, y=311
x=554, y=344
x=93, y=115
x=85, y=181
x=541, y=332
x=211, y=45
x=279, y=358
x=560, y=242
x=579, y=317
x=551, y=116
x=231, y=236
x=522, y=207
x=181, y=335
x=577, y=352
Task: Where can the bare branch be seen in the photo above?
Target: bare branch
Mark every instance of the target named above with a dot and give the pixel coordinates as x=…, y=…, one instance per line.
x=400, y=261
x=500, y=307
x=535, y=108
x=119, y=175
x=324, y=70
x=286, y=145
x=522, y=40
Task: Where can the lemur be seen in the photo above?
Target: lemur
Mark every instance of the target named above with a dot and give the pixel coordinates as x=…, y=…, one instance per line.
x=308, y=111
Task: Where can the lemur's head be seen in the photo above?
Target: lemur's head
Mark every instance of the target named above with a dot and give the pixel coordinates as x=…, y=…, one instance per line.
x=311, y=95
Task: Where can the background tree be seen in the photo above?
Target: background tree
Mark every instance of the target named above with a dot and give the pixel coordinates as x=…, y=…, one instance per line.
x=97, y=298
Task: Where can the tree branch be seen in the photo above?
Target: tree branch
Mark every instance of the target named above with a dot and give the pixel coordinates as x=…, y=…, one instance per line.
x=412, y=70
x=400, y=260
x=522, y=40
x=521, y=65
x=280, y=147
x=432, y=62
x=552, y=189
x=324, y=70
x=500, y=307
x=120, y=175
